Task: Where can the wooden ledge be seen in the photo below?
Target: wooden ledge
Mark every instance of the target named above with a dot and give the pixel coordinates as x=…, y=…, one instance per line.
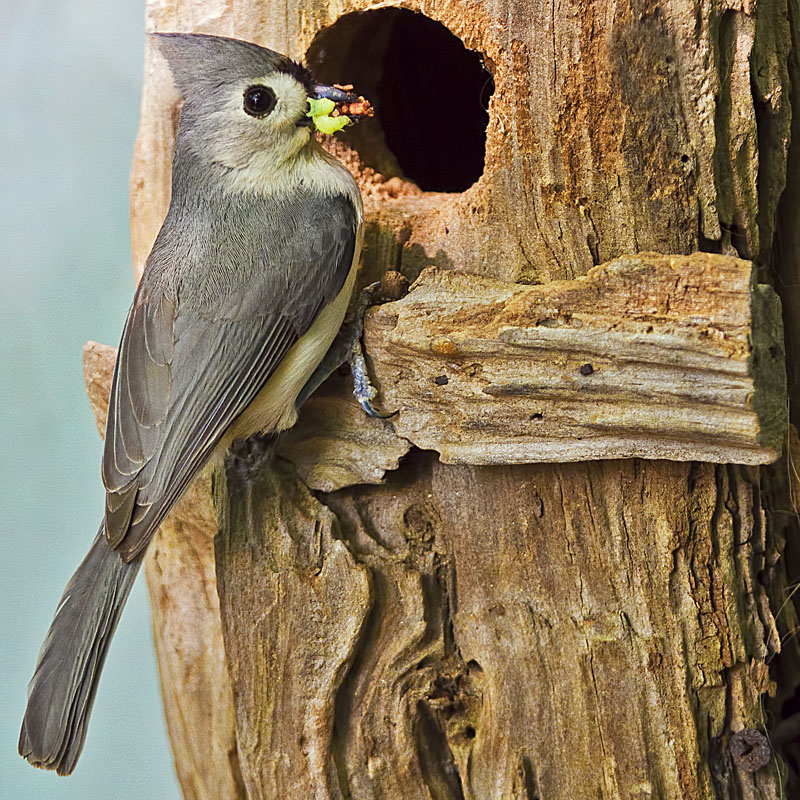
x=651, y=356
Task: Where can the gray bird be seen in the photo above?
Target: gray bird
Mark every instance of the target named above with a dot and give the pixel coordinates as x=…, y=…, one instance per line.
x=243, y=293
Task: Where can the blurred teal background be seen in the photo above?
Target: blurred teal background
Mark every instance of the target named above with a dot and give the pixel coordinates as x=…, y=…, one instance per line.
x=70, y=77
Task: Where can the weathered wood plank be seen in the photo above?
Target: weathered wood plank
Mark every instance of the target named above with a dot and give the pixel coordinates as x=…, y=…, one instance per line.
x=648, y=356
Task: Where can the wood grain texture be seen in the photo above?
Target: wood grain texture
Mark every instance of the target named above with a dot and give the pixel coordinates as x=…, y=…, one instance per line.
x=647, y=356
x=293, y=601
x=553, y=631
x=561, y=631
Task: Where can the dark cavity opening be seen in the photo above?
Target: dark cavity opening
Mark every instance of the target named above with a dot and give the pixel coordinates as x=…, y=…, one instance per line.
x=431, y=95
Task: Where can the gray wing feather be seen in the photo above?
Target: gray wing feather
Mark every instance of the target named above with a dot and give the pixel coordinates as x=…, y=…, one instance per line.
x=186, y=369
x=148, y=362
x=131, y=439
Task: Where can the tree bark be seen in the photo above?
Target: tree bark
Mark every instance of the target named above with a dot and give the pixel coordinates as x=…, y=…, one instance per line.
x=389, y=625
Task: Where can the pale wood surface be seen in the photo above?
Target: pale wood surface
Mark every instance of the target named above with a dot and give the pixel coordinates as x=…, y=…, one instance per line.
x=647, y=356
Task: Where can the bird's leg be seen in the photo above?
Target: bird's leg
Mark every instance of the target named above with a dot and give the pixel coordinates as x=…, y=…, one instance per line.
x=347, y=347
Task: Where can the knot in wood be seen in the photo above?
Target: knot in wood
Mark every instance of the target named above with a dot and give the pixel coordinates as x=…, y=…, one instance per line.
x=750, y=749
x=393, y=286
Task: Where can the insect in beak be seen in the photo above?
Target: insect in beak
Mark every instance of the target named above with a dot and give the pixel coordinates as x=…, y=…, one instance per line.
x=346, y=103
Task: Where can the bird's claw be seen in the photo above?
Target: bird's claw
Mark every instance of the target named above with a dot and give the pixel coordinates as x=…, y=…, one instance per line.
x=371, y=411
x=347, y=347
x=363, y=389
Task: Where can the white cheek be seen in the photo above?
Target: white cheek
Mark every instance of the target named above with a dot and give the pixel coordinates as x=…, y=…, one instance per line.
x=236, y=138
x=292, y=100
x=258, y=151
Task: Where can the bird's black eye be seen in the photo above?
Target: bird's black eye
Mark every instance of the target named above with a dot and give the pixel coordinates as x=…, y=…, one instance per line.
x=259, y=101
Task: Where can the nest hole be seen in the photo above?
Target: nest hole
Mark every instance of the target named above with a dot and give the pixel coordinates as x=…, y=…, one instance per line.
x=430, y=93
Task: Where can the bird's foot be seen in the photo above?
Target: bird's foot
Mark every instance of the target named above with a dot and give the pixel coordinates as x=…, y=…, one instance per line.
x=346, y=347
x=363, y=389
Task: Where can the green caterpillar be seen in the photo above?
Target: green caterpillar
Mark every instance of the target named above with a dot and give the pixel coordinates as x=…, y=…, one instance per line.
x=320, y=110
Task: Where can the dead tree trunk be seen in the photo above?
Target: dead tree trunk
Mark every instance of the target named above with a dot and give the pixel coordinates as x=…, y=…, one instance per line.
x=557, y=572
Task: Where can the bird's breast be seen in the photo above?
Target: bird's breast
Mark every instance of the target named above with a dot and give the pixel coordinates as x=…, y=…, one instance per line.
x=273, y=409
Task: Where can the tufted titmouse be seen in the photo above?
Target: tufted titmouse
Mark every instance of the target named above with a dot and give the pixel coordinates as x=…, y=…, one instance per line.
x=243, y=292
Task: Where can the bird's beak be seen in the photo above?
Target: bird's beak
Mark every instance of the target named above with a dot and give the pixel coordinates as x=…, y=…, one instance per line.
x=335, y=93
x=347, y=102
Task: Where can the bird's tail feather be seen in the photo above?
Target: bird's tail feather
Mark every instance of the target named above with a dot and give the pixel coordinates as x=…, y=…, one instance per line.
x=63, y=687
